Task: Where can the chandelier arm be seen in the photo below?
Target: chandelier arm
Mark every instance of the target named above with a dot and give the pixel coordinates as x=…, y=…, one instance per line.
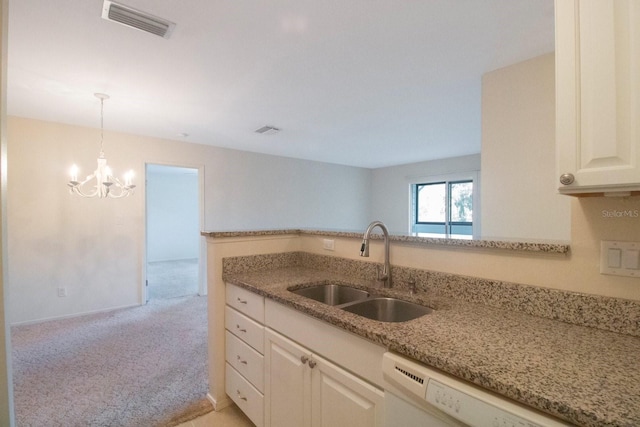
x=125, y=190
x=77, y=190
x=87, y=179
x=123, y=193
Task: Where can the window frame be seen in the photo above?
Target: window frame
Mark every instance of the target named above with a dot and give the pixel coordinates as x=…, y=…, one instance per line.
x=428, y=229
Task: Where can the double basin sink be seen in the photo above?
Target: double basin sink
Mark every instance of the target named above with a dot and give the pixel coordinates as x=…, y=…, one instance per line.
x=362, y=303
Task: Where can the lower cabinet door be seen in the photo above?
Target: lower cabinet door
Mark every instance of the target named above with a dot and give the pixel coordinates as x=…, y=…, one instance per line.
x=303, y=390
x=342, y=399
x=287, y=383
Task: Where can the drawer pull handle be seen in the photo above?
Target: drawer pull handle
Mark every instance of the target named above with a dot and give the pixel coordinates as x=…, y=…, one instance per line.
x=240, y=396
x=312, y=364
x=244, y=362
x=240, y=329
x=242, y=301
x=304, y=359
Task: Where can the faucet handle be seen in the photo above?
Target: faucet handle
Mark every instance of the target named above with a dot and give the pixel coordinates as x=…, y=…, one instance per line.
x=364, y=248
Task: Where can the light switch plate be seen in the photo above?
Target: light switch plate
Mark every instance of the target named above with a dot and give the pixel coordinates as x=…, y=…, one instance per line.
x=614, y=257
x=620, y=258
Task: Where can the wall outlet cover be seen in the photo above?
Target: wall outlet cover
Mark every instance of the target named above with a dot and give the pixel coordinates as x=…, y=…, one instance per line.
x=328, y=244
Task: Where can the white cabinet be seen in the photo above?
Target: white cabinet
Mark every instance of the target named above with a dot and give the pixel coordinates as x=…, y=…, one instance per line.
x=598, y=95
x=304, y=389
x=244, y=349
x=284, y=368
x=287, y=379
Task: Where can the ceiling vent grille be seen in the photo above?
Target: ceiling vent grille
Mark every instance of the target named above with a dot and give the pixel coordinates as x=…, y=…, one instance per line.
x=139, y=20
x=268, y=130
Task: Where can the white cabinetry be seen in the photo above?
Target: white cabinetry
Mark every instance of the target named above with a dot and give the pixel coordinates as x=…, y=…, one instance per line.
x=244, y=342
x=304, y=389
x=284, y=368
x=598, y=95
x=319, y=375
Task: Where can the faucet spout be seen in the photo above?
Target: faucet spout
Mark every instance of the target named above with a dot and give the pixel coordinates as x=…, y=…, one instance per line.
x=364, y=250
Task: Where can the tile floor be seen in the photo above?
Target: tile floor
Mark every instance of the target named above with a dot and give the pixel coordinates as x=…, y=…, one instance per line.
x=228, y=417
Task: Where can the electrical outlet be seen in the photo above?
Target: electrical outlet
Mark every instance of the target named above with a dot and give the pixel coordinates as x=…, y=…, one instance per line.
x=62, y=292
x=327, y=244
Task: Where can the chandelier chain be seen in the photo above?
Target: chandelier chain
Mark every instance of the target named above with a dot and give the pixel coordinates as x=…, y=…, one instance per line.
x=102, y=126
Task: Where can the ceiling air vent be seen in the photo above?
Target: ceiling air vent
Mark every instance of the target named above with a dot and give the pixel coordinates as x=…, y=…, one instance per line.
x=133, y=18
x=268, y=130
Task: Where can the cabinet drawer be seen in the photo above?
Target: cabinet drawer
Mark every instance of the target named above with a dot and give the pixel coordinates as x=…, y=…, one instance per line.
x=248, y=399
x=245, y=360
x=246, y=302
x=244, y=328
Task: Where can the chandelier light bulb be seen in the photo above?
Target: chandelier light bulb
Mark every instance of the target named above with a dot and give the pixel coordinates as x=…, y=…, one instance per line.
x=128, y=177
x=74, y=173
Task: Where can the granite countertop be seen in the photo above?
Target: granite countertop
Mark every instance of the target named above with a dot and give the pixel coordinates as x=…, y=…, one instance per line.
x=416, y=239
x=586, y=376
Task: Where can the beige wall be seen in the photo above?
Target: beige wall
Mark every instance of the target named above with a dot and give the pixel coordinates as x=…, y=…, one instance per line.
x=519, y=190
x=95, y=248
x=579, y=271
x=517, y=178
x=6, y=383
x=391, y=187
x=519, y=197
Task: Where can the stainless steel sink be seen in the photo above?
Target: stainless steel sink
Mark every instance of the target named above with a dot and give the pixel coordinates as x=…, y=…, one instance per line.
x=332, y=294
x=387, y=309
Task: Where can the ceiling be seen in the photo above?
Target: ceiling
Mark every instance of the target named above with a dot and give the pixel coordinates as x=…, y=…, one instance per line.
x=368, y=83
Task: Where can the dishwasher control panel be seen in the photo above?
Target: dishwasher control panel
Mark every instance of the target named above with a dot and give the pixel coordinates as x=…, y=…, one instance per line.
x=470, y=410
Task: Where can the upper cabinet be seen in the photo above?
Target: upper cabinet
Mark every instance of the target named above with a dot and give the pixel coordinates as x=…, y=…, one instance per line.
x=598, y=96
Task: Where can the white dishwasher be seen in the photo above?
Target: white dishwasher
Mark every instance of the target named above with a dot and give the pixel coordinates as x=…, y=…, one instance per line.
x=417, y=396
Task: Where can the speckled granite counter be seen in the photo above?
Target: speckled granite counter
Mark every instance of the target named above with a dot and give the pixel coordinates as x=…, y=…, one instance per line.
x=542, y=247
x=587, y=376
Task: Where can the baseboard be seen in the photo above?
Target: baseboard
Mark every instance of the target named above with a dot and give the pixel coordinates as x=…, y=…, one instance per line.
x=70, y=316
x=219, y=405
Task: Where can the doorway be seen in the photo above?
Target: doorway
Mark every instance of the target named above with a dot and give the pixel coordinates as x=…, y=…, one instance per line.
x=173, y=232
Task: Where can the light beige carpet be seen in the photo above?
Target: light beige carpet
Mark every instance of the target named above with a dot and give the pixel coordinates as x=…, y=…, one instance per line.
x=142, y=366
x=171, y=279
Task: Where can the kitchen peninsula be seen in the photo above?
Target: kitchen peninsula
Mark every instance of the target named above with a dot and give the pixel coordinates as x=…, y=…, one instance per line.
x=567, y=354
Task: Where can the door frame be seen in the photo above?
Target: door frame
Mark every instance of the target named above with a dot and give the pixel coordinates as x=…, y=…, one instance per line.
x=202, y=256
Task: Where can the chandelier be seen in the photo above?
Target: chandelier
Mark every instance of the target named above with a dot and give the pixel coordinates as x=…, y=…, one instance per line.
x=106, y=185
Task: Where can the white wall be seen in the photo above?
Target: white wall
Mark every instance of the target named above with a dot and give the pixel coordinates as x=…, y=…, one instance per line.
x=95, y=248
x=391, y=186
x=173, y=213
x=519, y=183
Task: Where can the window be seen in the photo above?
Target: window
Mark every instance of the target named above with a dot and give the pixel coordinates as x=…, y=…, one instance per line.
x=443, y=208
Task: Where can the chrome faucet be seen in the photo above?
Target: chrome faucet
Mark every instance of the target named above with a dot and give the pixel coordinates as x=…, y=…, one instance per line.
x=364, y=251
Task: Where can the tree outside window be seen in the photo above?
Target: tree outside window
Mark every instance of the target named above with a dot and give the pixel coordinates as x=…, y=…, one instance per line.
x=444, y=208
